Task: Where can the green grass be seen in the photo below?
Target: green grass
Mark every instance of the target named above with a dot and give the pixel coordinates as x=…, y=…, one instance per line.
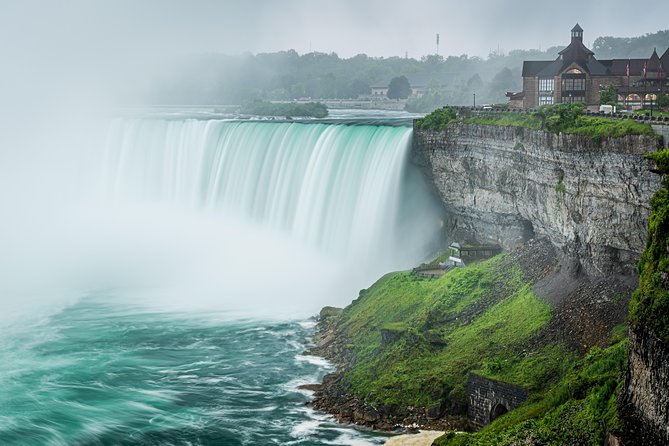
x=437, y=120
x=473, y=318
x=507, y=120
x=575, y=411
x=559, y=118
x=656, y=113
x=661, y=159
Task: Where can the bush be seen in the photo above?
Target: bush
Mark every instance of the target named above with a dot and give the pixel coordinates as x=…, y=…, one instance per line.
x=559, y=117
x=437, y=120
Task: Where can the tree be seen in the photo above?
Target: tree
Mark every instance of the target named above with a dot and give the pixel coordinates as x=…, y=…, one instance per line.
x=663, y=100
x=475, y=82
x=502, y=82
x=607, y=96
x=399, y=88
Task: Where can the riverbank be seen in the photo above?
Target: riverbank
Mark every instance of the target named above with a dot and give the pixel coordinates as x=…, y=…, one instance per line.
x=404, y=349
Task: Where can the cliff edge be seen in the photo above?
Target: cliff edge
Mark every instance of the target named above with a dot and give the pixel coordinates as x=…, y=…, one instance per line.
x=590, y=198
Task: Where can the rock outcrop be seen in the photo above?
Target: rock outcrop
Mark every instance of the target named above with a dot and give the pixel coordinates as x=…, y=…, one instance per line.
x=507, y=185
x=645, y=396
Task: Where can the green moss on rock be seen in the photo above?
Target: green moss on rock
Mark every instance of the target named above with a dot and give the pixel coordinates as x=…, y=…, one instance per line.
x=578, y=410
x=650, y=303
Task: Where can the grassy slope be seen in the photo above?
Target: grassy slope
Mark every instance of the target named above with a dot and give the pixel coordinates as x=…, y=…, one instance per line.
x=576, y=411
x=476, y=318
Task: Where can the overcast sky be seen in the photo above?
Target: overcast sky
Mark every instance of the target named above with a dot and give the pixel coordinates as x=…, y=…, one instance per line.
x=55, y=51
x=347, y=27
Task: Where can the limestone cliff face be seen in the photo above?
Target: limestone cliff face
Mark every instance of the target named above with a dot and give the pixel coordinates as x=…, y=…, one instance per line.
x=507, y=185
x=645, y=396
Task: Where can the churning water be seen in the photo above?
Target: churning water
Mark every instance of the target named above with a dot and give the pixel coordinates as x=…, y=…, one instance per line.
x=186, y=271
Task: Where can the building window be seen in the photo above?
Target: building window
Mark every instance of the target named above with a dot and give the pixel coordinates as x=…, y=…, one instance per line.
x=545, y=100
x=573, y=98
x=573, y=84
x=546, y=84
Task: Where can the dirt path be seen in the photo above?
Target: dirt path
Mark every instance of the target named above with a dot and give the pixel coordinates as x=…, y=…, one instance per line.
x=424, y=438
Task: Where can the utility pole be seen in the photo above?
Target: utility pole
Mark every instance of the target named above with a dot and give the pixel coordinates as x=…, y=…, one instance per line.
x=437, y=44
x=474, y=101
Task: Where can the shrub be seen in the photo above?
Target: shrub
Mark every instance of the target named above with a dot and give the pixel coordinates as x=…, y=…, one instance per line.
x=437, y=120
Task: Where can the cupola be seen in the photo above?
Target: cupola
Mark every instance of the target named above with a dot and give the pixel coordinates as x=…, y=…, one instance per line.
x=577, y=33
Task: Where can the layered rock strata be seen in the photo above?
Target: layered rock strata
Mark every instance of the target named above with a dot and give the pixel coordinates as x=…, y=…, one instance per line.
x=507, y=185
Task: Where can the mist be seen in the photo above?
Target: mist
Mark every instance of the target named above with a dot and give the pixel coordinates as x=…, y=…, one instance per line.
x=68, y=66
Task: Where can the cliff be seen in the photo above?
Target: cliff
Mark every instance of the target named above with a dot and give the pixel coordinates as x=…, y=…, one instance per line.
x=591, y=199
x=645, y=394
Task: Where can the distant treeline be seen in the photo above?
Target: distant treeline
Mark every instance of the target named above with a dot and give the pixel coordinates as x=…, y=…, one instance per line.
x=287, y=75
x=292, y=109
x=630, y=47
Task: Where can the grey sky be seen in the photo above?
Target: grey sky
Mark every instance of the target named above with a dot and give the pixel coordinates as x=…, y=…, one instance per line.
x=85, y=50
x=348, y=27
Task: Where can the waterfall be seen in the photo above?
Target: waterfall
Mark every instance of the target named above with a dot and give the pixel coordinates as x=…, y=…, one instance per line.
x=254, y=218
x=335, y=187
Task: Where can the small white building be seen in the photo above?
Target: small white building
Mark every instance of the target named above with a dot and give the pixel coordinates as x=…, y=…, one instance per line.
x=453, y=262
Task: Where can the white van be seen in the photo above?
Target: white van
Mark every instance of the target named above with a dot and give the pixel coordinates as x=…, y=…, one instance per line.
x=607, y=109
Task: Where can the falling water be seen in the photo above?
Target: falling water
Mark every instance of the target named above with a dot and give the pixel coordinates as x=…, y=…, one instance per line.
x=188, y=269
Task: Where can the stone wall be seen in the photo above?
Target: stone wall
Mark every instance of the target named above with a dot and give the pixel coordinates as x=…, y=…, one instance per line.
x=488, y=397
x=506, y=185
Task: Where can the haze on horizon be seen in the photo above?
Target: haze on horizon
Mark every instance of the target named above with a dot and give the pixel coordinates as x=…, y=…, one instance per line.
x=347, y=27
x=87, y=49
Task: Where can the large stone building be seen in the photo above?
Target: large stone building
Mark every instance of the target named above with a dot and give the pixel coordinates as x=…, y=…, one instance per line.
x=577, y=76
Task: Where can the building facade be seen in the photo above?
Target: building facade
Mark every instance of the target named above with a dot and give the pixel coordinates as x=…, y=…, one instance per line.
x=577, y=76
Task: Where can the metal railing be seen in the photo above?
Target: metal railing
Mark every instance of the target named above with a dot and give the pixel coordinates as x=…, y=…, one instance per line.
x=638, y=117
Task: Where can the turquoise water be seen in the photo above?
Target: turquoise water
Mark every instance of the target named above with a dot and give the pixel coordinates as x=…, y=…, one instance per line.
x=205, y=230
x=98, y=374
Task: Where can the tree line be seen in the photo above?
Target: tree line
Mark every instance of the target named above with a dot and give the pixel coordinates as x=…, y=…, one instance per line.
x=287, y=75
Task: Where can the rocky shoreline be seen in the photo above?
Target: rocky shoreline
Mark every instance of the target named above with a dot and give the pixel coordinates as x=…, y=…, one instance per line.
x=332, y=395
x=573, y=296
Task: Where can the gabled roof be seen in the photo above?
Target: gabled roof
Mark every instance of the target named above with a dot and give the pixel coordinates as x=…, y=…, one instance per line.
x=619, y=67
x=665, y=58
x=561, y=64
x=577, y=28
x=654, y=63
x=576, y=50
x=532, y=68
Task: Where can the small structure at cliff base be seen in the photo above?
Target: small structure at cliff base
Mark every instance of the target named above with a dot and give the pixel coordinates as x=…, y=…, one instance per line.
x=457, y=254
x=473, y=252
x=490, y=399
